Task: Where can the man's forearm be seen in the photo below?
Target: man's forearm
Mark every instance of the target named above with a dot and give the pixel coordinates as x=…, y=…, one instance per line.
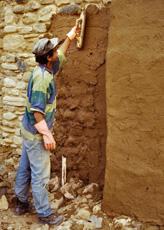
x=65, y=45
x=38, y=116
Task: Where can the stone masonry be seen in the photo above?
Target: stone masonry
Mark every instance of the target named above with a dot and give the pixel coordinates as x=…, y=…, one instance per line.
x=23, y=22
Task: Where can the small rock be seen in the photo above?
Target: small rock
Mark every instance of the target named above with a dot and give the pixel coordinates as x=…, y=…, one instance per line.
x=54, y=184
x=96, y=220
x=83, y=214
x=70, y=10
x=3, y=203
x=32, y=6
x=90, y=188
x=76, y=184
x=69, y=190
x=122, y=222
x=21, y=65
x=96, y=208
x=89, y=226
x=44, y=2
x=57, y=203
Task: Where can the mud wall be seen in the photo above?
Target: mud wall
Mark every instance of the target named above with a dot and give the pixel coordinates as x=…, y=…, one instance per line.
x=134, y=180
x=80, y=125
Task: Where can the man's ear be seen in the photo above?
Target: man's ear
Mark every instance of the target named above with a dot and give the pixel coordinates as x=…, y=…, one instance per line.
x=48, y=58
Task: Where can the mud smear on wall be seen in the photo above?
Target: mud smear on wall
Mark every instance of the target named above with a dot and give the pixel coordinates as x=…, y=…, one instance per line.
x=80, y=125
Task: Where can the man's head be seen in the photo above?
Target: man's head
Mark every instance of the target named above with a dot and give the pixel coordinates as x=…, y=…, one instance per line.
x=45, y=48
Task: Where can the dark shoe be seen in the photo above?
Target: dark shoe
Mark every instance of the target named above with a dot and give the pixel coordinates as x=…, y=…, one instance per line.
x=51, y=219
x=21, y=208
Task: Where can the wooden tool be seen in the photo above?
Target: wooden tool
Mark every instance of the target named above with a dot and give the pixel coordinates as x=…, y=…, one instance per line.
x=80, y=23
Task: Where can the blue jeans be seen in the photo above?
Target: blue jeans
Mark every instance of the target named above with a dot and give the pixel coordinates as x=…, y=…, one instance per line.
x=34, y=168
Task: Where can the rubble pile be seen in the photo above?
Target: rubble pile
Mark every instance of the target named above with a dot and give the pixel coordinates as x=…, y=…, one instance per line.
x=79, y=203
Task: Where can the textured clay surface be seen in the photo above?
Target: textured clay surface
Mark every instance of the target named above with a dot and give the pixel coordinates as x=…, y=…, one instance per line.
x=134, y=180
x=80, y=125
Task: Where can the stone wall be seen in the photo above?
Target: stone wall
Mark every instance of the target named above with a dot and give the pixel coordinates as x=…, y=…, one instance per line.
x=134, y=181
x=23, y=22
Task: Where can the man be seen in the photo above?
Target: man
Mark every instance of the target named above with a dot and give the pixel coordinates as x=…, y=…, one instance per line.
x=34, y=165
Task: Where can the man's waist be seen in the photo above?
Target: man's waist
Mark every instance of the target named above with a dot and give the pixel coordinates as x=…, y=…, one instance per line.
x=29, y=135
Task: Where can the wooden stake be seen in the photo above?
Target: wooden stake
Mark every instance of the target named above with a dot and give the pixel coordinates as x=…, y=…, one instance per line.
x=63, y=170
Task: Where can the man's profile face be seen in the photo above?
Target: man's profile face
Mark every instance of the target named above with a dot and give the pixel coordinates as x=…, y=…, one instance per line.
x=55, y=54
x=53, y=58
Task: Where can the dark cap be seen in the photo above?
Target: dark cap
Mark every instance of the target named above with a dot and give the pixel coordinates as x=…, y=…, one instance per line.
x=44, y=45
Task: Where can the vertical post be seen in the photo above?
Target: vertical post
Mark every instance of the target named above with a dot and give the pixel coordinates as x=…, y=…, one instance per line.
x=63, y=170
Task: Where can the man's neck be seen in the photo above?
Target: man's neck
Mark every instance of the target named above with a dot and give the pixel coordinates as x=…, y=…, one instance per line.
x=49, y=65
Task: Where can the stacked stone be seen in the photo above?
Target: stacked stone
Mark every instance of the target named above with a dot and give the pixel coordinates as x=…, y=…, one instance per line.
x=23, y=23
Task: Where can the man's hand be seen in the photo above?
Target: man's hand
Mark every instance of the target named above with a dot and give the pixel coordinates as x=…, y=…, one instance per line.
x=72, y=33
x=48, y=139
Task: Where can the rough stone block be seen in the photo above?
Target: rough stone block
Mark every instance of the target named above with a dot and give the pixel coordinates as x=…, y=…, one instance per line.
x=21, y=65
x=24, y=55
x=55, y=204
x=3, y=203
x=19, y=9
x=9, y=17
x=8, y=140
x=9, y=116
x=13, y=42
x=5, y=134
x=39, y=28
x=17, y=140
x=8, y=82
x=46, y=13
x=21, y=85
x=8, y=123
x=7, y=130
x=32, y=6
x=14, y=92
x=29, y=18
x=15, y=101
x=62, y=2
x=31, y=62
x=24, y=29
x=10, y=58
x=9, y=66
x=44, y=2
x=10, y=29
x=83, y=214
x=71, y=10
